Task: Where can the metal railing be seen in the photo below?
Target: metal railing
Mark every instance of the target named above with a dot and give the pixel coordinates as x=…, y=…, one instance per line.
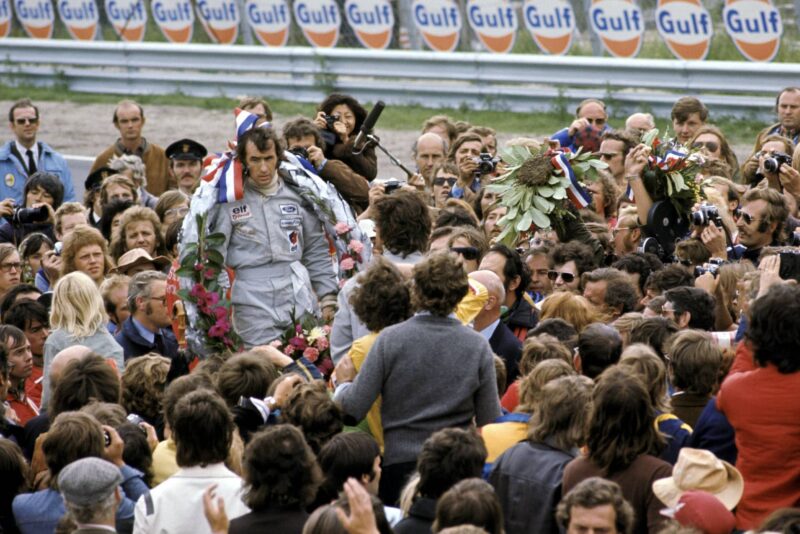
x=479, y=80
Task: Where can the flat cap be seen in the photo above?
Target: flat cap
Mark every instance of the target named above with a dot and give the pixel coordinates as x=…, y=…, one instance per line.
x=88, y=481
x=186, y=149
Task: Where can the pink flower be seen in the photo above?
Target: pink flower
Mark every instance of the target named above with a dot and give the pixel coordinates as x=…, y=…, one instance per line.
x=219, y=329
x=298, y=329
x=322, y=343
x=220, y=313
x=356, y=246
x=347, y=264
x=209, y=274
x=276, y=343
x=311, y=354
x=341, y=228
x=198, y=267
x=212, y=298
x=198, y=291
x=298, y=342
x=288, y=350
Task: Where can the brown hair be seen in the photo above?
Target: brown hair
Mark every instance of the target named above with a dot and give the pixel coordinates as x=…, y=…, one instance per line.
x=470, y=501
x=179, y=388
x=440, y=283
x=119, y=244
x=724, y=148
x=118, y=179
x=382, y=298
x=694, y=250
x=687, y=105
x=592, y=493
x=202, y=429
x=532, y=384
x=143, y=384
x=67, y=208
x=403, y=221
x=442, y=120
x=83, y=380
x=73, y=435
x=695, y=362
x=643, y=361
x=24, y=103
x=245, y=375
x=464, y=138
x=248, y=103
x=167, y=201
x=537, y=349
x=311, y=409
x=562, y=411
x=775, y=212
x=474, y=237
x=83, y=236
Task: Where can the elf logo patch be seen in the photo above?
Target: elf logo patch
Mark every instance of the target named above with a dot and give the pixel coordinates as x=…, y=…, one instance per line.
x=270, y=21
x=320, y=21
x=686, y=28
x=439, y=21
x=175, y=19
x=240, y=213
x=36, y=17
x=755, y=27
x=620, y=26
x=80, y=17
x=551, y=23
x=372, y=21
x=494, y=22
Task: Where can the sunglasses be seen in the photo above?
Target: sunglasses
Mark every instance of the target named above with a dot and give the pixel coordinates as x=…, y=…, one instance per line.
x=441, y=181
x=684, y=262
x=747, y=218
x=469, y=253
x=566, y=277
x=26, y=120
x=712, y=146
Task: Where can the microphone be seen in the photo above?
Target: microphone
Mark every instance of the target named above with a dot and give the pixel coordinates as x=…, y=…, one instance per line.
x=369, y=123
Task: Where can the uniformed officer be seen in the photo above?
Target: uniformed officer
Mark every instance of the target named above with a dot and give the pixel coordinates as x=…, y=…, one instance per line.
x=275, y=244
x=186, y=163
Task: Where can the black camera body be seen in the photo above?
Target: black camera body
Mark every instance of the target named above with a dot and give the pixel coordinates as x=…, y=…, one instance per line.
x=330, y=120
x=28, y=215
x=773, y=163
x=299, y=151
x=391, y=185
x=486, y=163
x=707, y=214
x=328, y=134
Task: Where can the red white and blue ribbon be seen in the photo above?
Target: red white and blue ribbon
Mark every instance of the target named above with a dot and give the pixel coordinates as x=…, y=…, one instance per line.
x=575, y=192
x=629, y=194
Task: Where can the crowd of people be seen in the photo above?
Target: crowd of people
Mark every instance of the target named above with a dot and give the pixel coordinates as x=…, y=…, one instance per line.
x=588, y=377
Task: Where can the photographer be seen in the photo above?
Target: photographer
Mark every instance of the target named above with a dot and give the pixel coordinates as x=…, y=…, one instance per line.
x=754, y=171
x=304, y=140
x=339, y=117
x=465, y=153
x=43, y=195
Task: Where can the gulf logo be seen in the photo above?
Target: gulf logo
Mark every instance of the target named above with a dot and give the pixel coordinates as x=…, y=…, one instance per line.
x=494, y=22
x=551, y=23
x=270, y=21
x=619, y=24
x=220, y=19
x=755, y=27
x=36, y=17
x=175, y=19
x=128, y=18
x=686, y=27
x=320, y=21
x=5, y=18
x=372, y=21
x=439, y=21
x=80, y=17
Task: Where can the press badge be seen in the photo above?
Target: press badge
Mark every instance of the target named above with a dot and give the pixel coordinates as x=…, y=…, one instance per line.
x=240, y=213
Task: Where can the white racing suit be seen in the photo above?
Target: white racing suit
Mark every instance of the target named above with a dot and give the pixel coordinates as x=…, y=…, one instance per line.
x=280, y=256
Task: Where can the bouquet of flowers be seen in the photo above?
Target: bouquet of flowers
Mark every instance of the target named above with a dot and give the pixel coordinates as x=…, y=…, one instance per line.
x=306, y=337
x=671, y=173
x=350, y=257
x=203, y=265
x=537, y=185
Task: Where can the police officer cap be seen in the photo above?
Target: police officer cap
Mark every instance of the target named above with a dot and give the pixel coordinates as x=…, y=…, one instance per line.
x=186, y=149
x=88, y=481
x=95, y=180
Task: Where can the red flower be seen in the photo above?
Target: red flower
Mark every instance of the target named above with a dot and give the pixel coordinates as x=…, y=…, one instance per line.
x=209, y=274
x=220, y=312
x=311, y=354
x=298, y=342
x=219, y=329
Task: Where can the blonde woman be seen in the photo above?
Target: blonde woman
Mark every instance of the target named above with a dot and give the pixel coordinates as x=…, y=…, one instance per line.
x=78, y=317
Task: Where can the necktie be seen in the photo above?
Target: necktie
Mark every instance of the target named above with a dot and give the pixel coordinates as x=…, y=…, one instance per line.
x=159, y=342
x=31, y=162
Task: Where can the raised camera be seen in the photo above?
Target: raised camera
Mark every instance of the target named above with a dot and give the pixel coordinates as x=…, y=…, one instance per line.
x=28, y=215
x=705, y=215
x=773, y=163
x=486, y=163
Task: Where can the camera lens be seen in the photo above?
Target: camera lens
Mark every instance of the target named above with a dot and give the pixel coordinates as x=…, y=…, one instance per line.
x=771, y=164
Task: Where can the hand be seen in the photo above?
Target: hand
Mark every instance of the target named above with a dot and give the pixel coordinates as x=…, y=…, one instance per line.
x=51, y=215
x=770, y=268
x=51, y=263
x=315, y=155
x=577, y=124
x=214, y=510
x=714, y=239
x=790, y=180
x=115, y=449
x=636, y=160
x=7, y=207
x=276, y=357
x=376, y=192
x=341, y=130
x=12, y=416
x=361, y=519
x=152, y=437
x=417, y=181
x=285, y=387
x=466, y=167
x=345, y=370
x=328, y=313
x=319, y=121
x=706, y=281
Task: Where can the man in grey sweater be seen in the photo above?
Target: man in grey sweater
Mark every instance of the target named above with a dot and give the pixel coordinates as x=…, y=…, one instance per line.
x=431, y=371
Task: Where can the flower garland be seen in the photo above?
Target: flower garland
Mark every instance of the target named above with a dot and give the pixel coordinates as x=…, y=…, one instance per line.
x=537, y=185
x=203, y=266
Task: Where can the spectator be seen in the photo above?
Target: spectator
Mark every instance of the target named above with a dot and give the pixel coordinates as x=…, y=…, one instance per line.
x=665, y=279
x=445, y=176
x=140, y=228
x=599, y=347
x=574, y=309
x=87, y=378
x=690, y=307
x=32, y=250
x=531, y=471
x=43, y=191
x=507, y=264
x=614, y=148
x=568, y=262
x=31, y=317
x=171, y=206
x=469, y=502
x=610, y=291
x=114, y=290
x=131, y=165
x=464, y=153
x=15, y=351
x=14, y=474
x=761, y=221
x=688, y=115
x=470, y=244
x=713, y=145
x=85, y=251
x=10, y=268
x=112, y=218
x=590, y=115
x=117, y=187
x=310, y=408
x=348, y=117
x=202, y=429
x=622, y=444
x=148, y=328
x=143, y=385
x=538, y=265
x=186, y=162
x=695, y=364
x=90, y=487
x=654, y=332
x=443, y=126
x=281, y=477
x=596, y=504
x=535, y=350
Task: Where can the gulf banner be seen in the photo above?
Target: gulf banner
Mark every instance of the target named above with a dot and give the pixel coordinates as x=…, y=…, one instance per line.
x=175, y=19
x=128, y=18
x=5, y=18
x=319, y=20
x=36, y=17
x=80, y=18
x=439, y=22
x=372, y=22
x=494, y=22
x=755, y=26
x=686, y=28
x=620, y=26
x=269, y=20
x=220, y=19
x=551, y=23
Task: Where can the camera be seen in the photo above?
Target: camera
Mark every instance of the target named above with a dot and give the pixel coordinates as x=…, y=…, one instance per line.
x=28, y=215
x=486, y=163
x=707, y=214
x=773, y=163
x=330, y=120
x=391, y=185
x=711, y=267
x=299, y=151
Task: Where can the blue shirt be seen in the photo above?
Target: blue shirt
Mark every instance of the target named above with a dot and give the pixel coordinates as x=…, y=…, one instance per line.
x=149, y=336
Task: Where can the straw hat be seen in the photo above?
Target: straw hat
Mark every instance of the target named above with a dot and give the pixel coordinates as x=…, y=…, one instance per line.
x=698, y=469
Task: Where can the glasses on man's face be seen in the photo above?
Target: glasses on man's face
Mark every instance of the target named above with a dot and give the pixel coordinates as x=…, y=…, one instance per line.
x=682, y=261
x=26, y=120
x=11, y=266
x=177, y=212
x=568, y=278
x=162, y=300
x=468, y=253
x=712, y=146
x=439, y=182
x=747, y=218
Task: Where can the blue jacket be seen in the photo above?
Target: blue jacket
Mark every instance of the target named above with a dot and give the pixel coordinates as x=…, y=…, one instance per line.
x=13, y=175
x=133, y=344
x=567, y=141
